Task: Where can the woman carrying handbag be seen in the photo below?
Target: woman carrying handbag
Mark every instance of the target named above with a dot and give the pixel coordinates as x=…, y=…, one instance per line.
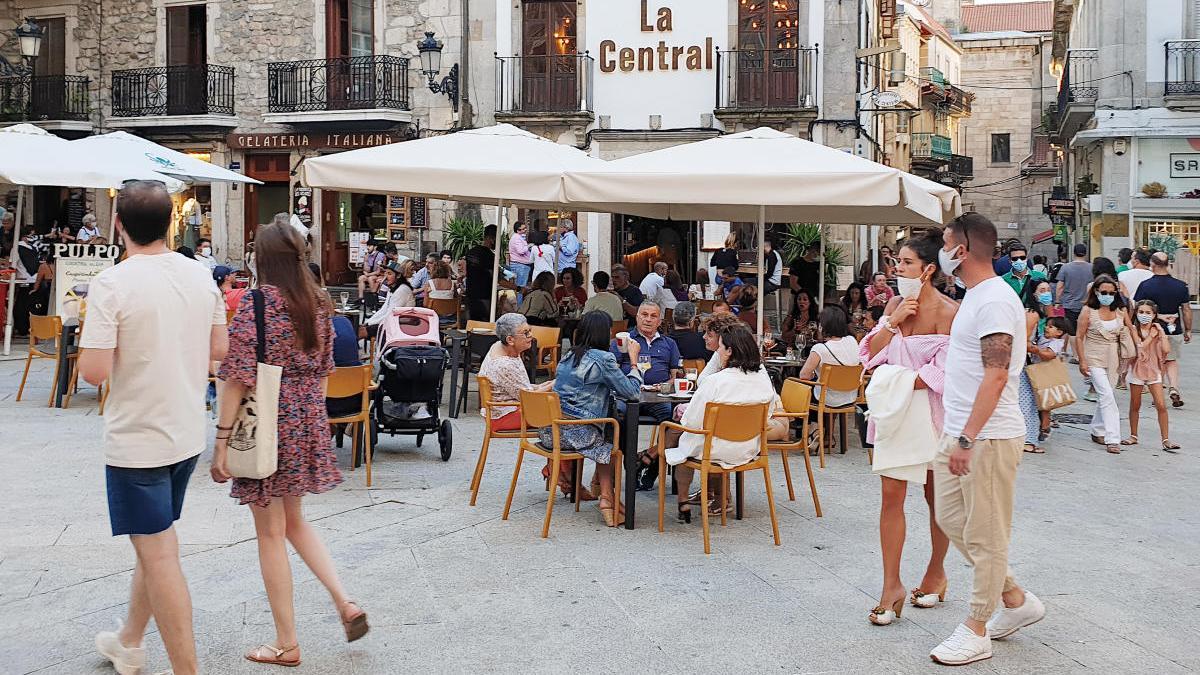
x=297, y=335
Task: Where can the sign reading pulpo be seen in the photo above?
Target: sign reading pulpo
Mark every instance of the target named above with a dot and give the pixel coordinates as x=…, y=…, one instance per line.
x=74, y=267
x=655, y=59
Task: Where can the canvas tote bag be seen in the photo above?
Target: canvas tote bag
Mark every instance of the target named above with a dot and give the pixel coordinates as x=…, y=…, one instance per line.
x=254, y=441
x=1051, y=384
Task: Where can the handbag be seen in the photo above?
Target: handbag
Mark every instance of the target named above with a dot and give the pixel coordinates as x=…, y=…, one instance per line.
x=254, y=440
x=1051, y=384
x=1126, y=348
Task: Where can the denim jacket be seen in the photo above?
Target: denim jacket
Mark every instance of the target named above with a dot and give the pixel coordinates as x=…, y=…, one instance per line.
x=589, y=386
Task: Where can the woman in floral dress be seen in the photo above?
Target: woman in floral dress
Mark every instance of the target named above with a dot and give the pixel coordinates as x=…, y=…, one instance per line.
x=299, y=338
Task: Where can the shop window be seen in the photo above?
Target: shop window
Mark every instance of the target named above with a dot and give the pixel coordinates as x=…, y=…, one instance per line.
x=1001, y=148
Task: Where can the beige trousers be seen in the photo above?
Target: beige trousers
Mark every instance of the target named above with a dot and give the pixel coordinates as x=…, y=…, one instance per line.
x=975, y=512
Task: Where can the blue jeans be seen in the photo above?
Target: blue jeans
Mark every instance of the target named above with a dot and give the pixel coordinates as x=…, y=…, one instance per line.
x=522, y=271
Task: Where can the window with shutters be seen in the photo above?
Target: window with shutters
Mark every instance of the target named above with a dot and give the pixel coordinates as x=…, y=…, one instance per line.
x=187, y=60
x=549, y=80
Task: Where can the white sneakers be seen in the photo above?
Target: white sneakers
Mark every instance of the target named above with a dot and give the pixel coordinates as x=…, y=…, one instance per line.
x=125, y=660
x=962, y=647
x=1007, y=621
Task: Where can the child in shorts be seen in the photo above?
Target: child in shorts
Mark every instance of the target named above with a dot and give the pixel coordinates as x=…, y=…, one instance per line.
x=1147, y=371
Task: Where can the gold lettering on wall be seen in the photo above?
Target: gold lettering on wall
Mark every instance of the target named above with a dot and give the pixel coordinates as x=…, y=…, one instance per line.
x=659, y=57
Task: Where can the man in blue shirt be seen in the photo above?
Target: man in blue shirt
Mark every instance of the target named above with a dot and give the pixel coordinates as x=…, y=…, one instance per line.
x=731, y=285
x=569, y=246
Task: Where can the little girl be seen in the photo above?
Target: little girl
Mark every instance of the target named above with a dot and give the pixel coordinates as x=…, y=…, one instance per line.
x=1046, y=343
x=1147, y=372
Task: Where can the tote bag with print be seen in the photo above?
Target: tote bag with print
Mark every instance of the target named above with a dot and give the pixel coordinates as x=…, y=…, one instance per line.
x=254, y=441
x=1051, y=384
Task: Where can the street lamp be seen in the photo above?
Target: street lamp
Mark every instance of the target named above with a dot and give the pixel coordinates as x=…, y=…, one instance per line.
x=29, y=34
x=430, y=50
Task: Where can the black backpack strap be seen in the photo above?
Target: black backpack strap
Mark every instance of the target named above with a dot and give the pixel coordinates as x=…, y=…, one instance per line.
x=260, y=325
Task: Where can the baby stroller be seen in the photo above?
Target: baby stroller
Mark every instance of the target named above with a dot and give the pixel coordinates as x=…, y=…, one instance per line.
x=411, y=364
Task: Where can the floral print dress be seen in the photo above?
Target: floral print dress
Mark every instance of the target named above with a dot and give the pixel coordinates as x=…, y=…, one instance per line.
x=307, y=462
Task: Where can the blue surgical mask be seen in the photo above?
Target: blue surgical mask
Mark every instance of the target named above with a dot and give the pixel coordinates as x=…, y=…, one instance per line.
x=1045, y=298
x=1145, y=318
x=1106, y=300
x=1018, y=266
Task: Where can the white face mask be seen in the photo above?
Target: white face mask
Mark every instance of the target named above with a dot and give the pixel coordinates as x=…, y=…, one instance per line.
x=909, y=288
x=206, y=251
x=947, y=261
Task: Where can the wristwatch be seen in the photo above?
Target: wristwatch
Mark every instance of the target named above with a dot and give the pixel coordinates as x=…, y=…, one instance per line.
x=965, y=443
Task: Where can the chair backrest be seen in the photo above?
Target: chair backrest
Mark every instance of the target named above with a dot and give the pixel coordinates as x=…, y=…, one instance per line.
x=44, y=328
x=796, y=396
x=349, y=381
x=487, y=325
x=698, y=364
x=540, y=408
x=705, y=306
x=620, y=325
x=668, y=318
x=736, y=421
x=840, y=378
x=546, y=336
x=443, y=306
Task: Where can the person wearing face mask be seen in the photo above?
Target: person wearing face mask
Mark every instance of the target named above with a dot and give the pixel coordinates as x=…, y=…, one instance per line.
x=1019, y=274
x=1147, y=372
x=913, y=333
x=1045, y=342
x=1101, y=324
x=204, y=253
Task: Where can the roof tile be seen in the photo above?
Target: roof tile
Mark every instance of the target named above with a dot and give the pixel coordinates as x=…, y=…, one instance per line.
x=1031, y=17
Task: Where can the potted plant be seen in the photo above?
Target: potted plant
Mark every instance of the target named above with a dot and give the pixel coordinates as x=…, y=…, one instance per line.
x=795, y=239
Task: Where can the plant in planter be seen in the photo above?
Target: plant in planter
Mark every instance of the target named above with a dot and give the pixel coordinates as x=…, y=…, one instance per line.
x=461, y=234
x=1154, y=190
x=1085, y=186
x=795, y=239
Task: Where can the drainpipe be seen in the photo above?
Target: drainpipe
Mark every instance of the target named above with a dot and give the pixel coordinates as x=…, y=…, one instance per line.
x=466, y=114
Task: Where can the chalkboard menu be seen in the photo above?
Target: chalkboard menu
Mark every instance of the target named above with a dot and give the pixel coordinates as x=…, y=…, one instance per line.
x=416, y=212
x=76, y=207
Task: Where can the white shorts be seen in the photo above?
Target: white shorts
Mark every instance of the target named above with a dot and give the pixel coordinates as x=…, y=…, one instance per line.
x=1134, y=379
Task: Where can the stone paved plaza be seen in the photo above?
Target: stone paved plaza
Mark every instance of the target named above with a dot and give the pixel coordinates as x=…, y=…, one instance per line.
x=1110, y=543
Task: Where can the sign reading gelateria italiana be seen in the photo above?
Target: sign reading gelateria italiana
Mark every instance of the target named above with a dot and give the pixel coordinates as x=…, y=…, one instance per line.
x=662, y=56
x=344, y=141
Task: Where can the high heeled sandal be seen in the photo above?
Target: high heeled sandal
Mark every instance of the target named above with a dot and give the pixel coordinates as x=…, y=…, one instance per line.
x=271, y=655
x=612, y=517
x=918, y=598
x=884, y=617
x=685, y=513
x=356, y=626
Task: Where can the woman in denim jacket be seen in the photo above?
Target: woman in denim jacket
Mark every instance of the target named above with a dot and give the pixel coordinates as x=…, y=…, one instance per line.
x=586, y=380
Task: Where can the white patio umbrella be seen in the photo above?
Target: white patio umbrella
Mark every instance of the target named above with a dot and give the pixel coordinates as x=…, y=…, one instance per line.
x=500, y=165
x=761, y=175
x=30, y=156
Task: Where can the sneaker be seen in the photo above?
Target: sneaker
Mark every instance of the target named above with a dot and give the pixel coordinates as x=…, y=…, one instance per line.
x=1007, y=621
x=1090, y=395
x=962, y=647
x=125, y=660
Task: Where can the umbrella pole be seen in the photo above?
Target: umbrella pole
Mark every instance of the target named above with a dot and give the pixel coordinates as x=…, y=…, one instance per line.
x=762, y=303
x=112, y=220
x=12, y=281
x=496, y=259
x=821, y=290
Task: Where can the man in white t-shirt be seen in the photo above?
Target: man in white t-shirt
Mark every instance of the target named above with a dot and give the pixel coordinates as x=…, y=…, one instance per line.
x=155, y=321
x=653, y=283
x=1135, y=275
x=975, y=469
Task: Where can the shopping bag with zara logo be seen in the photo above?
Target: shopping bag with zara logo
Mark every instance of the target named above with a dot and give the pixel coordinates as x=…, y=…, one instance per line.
x=254, y=441
x=1051, y=384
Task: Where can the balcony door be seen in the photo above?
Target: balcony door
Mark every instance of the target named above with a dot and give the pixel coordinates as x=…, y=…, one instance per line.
x=187, y=60
x=549, y=67
x=349, y=34
x=768, y=58
x=48, y=90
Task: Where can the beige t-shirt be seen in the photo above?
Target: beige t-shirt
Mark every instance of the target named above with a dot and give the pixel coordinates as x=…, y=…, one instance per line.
x=157, y=312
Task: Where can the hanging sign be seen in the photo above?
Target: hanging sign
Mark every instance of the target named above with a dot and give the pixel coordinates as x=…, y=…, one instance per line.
x=75, y=265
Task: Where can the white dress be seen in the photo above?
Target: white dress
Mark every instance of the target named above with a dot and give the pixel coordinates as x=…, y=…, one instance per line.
x=730, y=385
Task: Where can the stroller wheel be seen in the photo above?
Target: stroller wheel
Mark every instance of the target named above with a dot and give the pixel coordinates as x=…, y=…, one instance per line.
x=446, y=439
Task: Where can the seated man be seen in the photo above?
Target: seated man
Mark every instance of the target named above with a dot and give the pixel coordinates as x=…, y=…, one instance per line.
x=372, y=269
x=631, y=296
x=604, y=300
x=664, y=363
x=730, y=285
x=689, y=341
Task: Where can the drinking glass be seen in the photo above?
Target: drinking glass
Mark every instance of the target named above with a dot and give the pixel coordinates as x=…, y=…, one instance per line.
x=643, y=363
x=768, y=342
x=690, y=374
x=344, y=296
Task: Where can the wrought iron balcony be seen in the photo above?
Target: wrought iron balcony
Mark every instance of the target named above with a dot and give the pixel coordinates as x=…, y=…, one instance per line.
x=1183, y=67
x=203, y=89
x=352, y=83
x=930, y=147
x=959, y=100
x=962, y=166
x=760, y=79
x=555, y=83
x=1078, y=83
x=44, y=97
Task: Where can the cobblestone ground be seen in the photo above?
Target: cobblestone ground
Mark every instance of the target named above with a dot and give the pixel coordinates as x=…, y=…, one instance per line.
x=1110, y=543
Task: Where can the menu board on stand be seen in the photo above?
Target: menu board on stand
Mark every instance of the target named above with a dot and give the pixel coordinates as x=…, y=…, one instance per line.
x=404, y=213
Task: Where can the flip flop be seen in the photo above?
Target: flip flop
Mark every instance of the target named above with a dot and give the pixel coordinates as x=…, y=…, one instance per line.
x=1132, y=440
x=1034, y=450
x=271, y=655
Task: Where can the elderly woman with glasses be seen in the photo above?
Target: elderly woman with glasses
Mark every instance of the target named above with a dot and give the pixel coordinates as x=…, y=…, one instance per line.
x=505, y=369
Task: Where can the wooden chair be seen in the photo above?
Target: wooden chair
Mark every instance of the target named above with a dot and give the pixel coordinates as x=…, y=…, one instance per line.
x=618, y=327
x=668, y=318
x=797, y=403
x=353, y=381
x=837, y=378
x=446, y=307
x=704, y=306
x=43, y=330
x=549, y=346
x=541, y=409
x=488, y=402
x=698, y=364
x=481, y=325
x=728, y=422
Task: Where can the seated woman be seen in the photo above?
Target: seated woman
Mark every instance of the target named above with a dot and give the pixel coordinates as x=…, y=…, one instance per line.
x=440, y=286
x=399, y=294
x=505, y=369
x=742, y=380
x=673, y=283
x=587, y=379
x=570, y=295
x=538, y=305
x=748, y=307
x=838, y=349
x=802, y=319
x=711, y=328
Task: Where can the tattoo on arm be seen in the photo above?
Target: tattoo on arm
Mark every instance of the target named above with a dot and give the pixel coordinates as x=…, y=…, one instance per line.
x=996, y=350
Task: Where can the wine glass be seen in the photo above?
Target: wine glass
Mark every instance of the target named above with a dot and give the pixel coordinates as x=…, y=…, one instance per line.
x=344, y=296
x=643, y=363
x=768, y=342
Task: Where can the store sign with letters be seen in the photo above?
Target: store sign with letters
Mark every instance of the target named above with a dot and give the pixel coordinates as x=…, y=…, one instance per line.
x=75, y=265
x=1172, y=161
x=310, y=141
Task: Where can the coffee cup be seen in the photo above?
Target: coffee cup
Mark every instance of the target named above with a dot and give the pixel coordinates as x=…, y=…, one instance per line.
x=684, y=385
x=623, y=342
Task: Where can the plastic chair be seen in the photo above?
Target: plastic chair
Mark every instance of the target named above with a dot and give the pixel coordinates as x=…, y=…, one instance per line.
x=540, y=409
x=548, y=343
x=836, y=378
x=488, y=402
x=446, y=307
x=797, y=403
x=42, y=330
x=353, y=381
x=729, y=422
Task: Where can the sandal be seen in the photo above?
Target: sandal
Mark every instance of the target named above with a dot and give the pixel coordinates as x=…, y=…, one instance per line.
x=1170, y=446
x=356, y=626
x=885, y=616
x=1132, y=440
x=1176, y=400
x=612, y=518
x=1033, y=449
x=1098, y=440
x=273, y=656
x=918, y=598
x=1113, y=449
x=685, y=512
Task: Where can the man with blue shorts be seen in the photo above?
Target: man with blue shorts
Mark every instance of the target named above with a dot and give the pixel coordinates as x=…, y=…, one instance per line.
x=154, y=323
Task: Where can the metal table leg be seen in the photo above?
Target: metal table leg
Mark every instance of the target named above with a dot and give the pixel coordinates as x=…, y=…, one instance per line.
x=455, y=364
x=629, y=448
x=64, y=365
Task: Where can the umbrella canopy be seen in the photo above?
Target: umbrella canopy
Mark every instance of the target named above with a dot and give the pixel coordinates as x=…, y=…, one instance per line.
x=487, y=165
x=154, y=157
x=31, y=156
x=730, y=177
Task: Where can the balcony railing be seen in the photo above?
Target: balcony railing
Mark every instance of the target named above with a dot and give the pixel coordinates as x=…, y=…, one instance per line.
x=1183, y=67
x=930, y=146
x=352, y=83
x=557, y=83
x=933, y=76
x=962, y=166
x=755, y=79
x=203, y=89
x=1078, y=84
x=44, y=97
x=959, y=100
